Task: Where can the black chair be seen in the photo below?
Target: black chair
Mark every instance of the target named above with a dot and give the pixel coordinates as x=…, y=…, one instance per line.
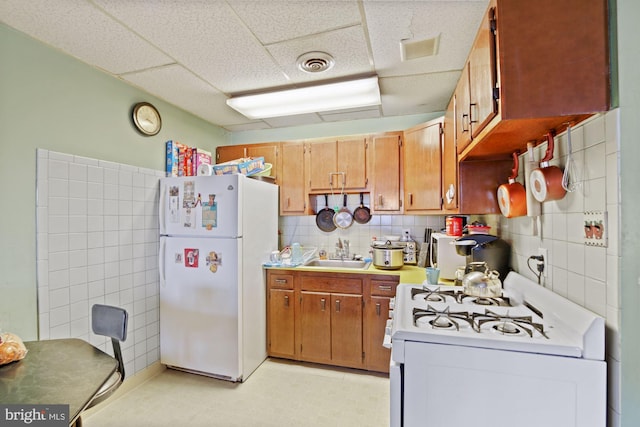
x=111, y=322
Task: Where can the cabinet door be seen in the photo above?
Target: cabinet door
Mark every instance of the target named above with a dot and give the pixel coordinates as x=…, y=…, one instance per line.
x=422, y=167
x=323, y=157
x=270, y=154
x=281, y=323
x=462, y=119
x=377, y=314
x=386, y=154
x=352, y=160
x=346, y=329
x=291, y=179
x=482, y=76
x=315, y=333
x=226, y=153
x=449, y=160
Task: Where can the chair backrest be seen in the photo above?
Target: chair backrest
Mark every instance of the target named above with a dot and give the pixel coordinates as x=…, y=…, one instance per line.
x=111, y=321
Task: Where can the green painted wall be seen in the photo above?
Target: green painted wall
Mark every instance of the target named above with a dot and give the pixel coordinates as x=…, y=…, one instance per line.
x=628, y=15
x=50, y=100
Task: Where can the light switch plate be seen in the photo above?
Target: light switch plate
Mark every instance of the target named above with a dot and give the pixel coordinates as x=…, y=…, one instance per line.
x=595, y=228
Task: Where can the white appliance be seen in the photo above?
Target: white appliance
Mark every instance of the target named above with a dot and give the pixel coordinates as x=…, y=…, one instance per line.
x=444, y=255
x=216, y=231
x=529, y=358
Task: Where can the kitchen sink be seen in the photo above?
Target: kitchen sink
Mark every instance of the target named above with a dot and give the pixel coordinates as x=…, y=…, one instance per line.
x=338, y=263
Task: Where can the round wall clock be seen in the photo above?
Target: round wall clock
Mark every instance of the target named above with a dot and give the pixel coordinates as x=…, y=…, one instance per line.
x=146, y=118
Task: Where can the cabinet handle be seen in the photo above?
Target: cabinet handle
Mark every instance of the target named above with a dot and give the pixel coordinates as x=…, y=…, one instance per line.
x=474, y=105
x=462, y=122
x=377, y=309
x=323, y=303
x=379, y=199
x=288, y=202
x=337, y=306
x=384, y=287
x=281, y=280
x=411, y=198
x=286, y=300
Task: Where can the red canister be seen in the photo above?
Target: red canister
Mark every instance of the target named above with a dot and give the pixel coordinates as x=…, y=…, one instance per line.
x=454, y=225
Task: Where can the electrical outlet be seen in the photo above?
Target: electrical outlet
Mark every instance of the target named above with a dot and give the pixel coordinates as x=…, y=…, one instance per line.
x=545, y=255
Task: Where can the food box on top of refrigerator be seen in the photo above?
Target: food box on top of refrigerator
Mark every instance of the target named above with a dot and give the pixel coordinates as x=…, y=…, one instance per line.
x=244, y=166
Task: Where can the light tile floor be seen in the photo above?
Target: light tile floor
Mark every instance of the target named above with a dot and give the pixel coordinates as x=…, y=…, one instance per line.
x=279, y=393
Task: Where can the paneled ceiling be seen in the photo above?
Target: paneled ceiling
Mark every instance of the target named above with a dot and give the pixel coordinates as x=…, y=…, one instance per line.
x=197, y=53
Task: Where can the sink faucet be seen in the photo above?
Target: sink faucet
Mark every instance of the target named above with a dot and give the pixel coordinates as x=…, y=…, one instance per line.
x=342, y=249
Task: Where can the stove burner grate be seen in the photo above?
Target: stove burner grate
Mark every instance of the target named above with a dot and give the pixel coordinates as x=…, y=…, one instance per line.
x=442, y=319
x=500, y=301
x=434, y=295
x=508, y=325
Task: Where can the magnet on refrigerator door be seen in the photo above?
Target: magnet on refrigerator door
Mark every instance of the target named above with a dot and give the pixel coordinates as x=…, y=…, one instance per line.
x=210, y=213
x=191, y=257
x=213, y=260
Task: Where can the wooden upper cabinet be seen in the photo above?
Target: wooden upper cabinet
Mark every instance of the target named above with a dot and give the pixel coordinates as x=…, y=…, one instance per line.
x=386, y=160
x=524, y=81
x=337, y=163
x=462, y=109
x=267, y=150
x=291, y=179
x=422, y=167
x=482, y=76
x=449, y=159
x=225, y=153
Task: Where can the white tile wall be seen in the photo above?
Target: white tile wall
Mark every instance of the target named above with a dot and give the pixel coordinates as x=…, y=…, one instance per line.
x=586, y=275
x=97, y=239
x=303, y=229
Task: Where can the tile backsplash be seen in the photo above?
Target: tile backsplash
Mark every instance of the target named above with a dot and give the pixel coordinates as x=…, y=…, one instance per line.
x=97, y=242
x=584, y=273
x=303, y=230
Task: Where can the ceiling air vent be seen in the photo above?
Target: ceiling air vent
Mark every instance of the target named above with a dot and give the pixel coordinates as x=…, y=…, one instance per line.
x=315, y=62
x=412, y=49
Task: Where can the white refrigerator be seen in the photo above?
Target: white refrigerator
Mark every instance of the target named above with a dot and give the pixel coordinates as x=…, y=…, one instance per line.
x=215, y=233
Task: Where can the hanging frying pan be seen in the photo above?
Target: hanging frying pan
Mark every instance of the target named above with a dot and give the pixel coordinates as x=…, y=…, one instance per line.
x=324, y=217
x=362, y=214
x=546, y=181
x=512, y=197
x=343, y=218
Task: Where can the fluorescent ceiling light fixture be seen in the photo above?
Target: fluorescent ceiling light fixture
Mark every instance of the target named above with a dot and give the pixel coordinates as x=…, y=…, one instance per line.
x=311, y=99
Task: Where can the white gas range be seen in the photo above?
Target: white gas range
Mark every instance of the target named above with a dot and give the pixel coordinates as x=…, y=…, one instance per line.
x=528, y=358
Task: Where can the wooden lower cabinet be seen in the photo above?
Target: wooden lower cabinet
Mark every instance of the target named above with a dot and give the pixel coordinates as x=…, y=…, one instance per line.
x=377, y=313
x=281, y=314
x=334, y=318
x=315, y=327
x=346, y=330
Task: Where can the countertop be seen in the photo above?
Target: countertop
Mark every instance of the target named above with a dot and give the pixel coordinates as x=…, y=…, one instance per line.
x=408, y=273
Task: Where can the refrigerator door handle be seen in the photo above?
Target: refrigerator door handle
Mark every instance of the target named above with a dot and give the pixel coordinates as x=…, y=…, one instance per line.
x=162, y=209
x=161, y=252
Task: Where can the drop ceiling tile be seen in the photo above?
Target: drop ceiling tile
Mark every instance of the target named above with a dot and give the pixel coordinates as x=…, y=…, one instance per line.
x=296, y=120
x=83, y=31
x=258, y=125
x=347, y=46
x=183, y=89
x=372, y=113
x=391, y=22
x=206, y=37
x=277, y=20
x=418, y=94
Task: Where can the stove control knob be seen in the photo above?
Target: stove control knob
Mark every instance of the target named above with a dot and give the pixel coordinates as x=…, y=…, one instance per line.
x=392, y=303
x=387, y=329
x=390, y=314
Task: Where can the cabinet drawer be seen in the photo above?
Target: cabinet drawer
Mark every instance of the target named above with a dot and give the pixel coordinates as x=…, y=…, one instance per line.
x=332, y=284
x=282, y=281
x=383, y=288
